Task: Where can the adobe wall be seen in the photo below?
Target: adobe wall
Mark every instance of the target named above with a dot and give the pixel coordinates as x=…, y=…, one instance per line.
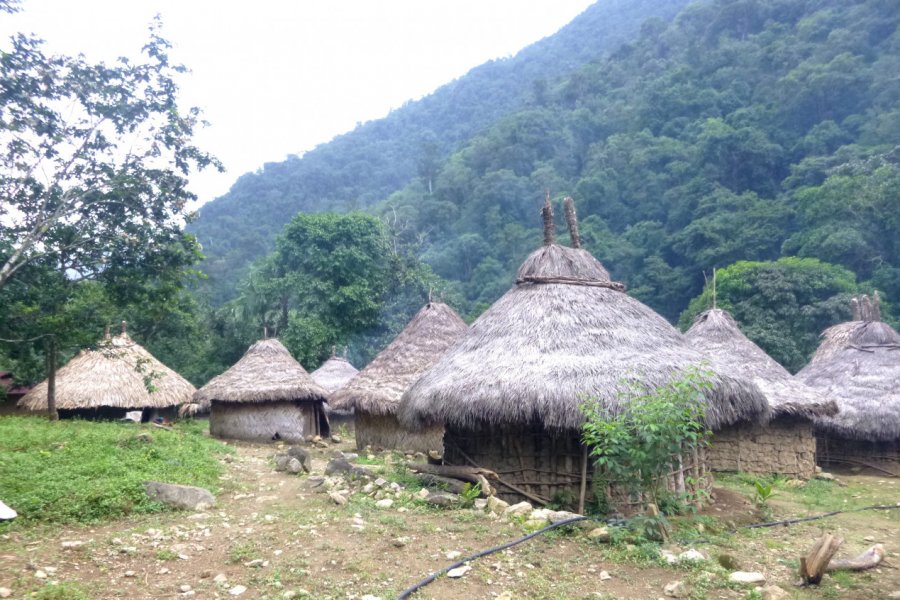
x=783, y=446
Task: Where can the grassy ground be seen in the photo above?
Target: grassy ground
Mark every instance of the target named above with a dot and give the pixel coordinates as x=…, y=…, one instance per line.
x=80, y=471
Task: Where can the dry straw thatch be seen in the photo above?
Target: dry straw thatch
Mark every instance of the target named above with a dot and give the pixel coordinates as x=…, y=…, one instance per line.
x=716, y=334
x=564, y=332
x=267, y=372
x=118, y=374
x=335, y=373
x=377, y=389
x=858, y=364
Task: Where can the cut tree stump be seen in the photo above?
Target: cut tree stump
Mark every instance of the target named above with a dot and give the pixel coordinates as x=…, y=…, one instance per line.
x=814, y=564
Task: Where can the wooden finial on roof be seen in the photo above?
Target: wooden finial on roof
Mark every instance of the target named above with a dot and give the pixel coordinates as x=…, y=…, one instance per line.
x=714, y=288
x=854, y=308
x=876, y=306
x=572, y=221
x=106, y=333
x=265, y=331
x=124, y=327
x=549, y=227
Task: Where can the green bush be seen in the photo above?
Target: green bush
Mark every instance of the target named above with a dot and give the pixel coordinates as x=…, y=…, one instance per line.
x=85, y=471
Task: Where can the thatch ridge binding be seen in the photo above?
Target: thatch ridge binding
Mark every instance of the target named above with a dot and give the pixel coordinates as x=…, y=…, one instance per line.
x=716, y=334
x=378, y=387
x=113, y=375
x=266, y=373
x=537, y=351
x=858, y=364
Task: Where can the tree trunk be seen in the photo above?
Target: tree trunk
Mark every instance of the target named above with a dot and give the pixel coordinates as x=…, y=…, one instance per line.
x=52, y=414
x=813, y=565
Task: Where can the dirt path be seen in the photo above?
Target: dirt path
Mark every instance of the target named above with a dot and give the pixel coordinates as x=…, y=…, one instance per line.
x=273, y=537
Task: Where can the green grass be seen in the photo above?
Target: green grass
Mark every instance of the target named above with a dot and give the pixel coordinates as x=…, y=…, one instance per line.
x=85, y=471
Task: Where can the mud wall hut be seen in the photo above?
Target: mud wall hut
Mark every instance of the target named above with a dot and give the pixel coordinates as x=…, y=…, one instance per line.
x=267, y=395
x=374, y=394
x=785, y=444
x=858, y=364
x=116, y=377
x=509, y=393
x=333, y=375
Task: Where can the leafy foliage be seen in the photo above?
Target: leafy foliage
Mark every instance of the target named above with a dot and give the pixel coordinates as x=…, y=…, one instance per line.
x=637, y=445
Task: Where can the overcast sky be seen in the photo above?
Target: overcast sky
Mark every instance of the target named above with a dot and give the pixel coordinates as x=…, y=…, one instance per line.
x=276, y=78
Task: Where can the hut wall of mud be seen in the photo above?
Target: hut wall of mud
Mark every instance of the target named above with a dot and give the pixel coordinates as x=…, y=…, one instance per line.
x=833, y=450
x=260, y=421
x=543, y=466
x=785, y=446
x=384, y=432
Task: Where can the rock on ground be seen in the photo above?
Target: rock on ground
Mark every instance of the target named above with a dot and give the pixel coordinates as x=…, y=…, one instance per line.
x=676, y=589
x=179, y=496
x=746, y=577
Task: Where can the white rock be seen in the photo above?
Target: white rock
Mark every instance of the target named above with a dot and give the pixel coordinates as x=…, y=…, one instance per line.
x=337, y=498
x=370, y=597
x=496, y=505
x=220, y=578
x=599, y=534
x=423, y=493
x=676, y=589
x=894, y=594
x=746, y=577
x=691, y=556
x=130, y=573
x=453, y=554
x=188, y=594
x=773, y=592
x=604, y=576
x=72, y=544
x=237, y=590
x=5, y=592
x=185, y=588
x=43, y=575
x=458, y=571
x=288, y=595
x=6, y=513
x=480, y=503
x=386, y=503
x=255, y=563
x=163, y=571
x=521, y=508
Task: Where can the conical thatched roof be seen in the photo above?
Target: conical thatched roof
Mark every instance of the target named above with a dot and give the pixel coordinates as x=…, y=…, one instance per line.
x=335, y=373
x=565, y=331
x=117, y=375
x=716, y=334
x=377, y=388
x=858, y=364
x=267, y=372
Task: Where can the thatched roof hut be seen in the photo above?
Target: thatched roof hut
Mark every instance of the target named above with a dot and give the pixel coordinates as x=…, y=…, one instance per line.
x=119, y=374
x=858, y=363
x=266, y=395
x=334, y=373
x=565, y=331
x=375, y=392
x=786, y=444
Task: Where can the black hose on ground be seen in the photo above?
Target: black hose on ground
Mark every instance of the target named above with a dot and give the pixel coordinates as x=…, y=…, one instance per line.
x=416, y=587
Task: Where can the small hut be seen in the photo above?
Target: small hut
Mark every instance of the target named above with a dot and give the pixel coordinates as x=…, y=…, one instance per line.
x=509, y=393
x=267, y=395
x=334, y=374
x=118, y=376
x=786, y=444
x=858, y=364
x=374, y=394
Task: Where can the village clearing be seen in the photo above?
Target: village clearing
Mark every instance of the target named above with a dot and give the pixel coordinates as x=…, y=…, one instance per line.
x=271, y=535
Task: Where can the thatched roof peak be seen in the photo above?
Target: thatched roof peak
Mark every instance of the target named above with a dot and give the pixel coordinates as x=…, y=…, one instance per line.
x=378, y=387
x=266, y=373
x=565, y=331
x=120, y=373
x=717, y=335
x=334, y=373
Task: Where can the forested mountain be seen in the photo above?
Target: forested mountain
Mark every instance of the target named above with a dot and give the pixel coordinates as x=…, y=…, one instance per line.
x=379, y=157
x=742, y=130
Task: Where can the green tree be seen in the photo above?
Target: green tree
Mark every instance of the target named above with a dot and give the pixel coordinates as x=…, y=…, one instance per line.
x=782, y=305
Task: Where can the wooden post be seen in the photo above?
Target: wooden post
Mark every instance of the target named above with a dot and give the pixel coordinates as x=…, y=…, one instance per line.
x=52, y=413
x=583, y=491
x=814, y=564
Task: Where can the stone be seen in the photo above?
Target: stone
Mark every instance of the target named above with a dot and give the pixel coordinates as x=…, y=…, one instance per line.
x=255, y=563
x=189, y=593
x=480, y=503
x=442, y=499
x=220, y=578
x=72, y=544
x=314, y=483
x=400, y=541
x=894, y=594
x=746, y=577
x=5, y=592
x=676, y=589
x=289, y=595
x=237, y=590
x=423, y=493
x=370, y=597
x=691, y=555
x=772, y=592
x=281, y=461
x=604, y=576
x=186, y=497
x=536, y=523
x=185, y=588
x=6, y=513
x=336, y=439
x=496, y=505
x=458, y=571
x=381, y=482
x=302, y=456
x=386, y=503
x=599, y=534
x=516, y=510
x=453, y=554
x=130, y=574
x=337, y=498
x=727, y=561
x=825, y=476
x=165, y=571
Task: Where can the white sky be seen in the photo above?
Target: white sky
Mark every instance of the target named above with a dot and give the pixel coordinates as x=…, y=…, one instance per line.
x=279, y=77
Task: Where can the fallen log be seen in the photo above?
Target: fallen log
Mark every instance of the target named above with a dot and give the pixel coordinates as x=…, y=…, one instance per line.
x=869, y=559
x=813, y=565
x=451, y=485
x=473, y=475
